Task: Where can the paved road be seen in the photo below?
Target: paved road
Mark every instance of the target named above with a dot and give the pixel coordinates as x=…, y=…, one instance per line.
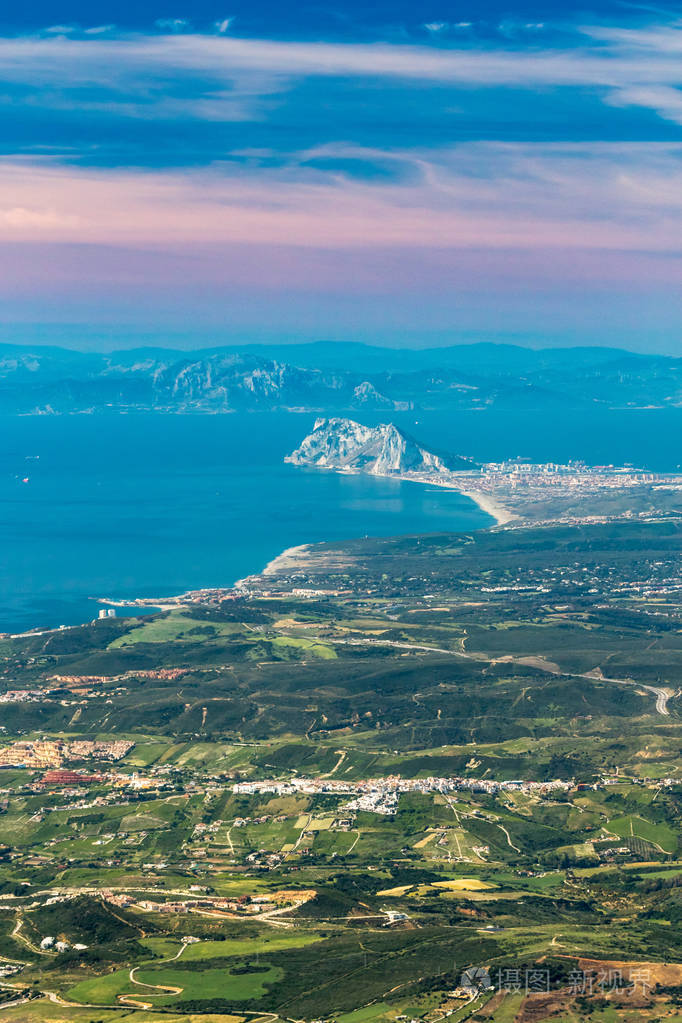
x=159, y=989
x=661, y=695
x=17, y=1001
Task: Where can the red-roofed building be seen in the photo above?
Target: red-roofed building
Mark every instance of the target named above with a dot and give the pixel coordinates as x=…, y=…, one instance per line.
x=69, y=778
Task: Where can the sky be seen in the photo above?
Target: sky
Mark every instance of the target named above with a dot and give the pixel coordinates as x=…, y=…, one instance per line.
x=404, y=173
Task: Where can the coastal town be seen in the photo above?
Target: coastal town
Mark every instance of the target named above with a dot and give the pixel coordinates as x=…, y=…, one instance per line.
x=518, y=492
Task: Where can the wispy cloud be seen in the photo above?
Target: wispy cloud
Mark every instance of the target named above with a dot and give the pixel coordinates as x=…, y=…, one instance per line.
x=181, y=142
x=173, y=24
x=617, y=198
x=616, y=62
x=665, y=100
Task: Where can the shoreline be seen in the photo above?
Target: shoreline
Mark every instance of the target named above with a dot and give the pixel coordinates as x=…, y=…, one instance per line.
x=487, y=504
x=288, y=558
x=491, y=507
x=285, y=559
x=291, y=556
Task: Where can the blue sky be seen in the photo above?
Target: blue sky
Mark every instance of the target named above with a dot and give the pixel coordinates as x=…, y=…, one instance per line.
x=393, y=173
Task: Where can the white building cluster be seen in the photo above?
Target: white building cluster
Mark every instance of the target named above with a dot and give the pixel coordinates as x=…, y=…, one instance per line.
x=380, y=795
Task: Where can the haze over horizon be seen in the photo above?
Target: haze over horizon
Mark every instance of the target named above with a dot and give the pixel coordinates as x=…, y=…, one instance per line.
x=81, y=340
x=195, y=176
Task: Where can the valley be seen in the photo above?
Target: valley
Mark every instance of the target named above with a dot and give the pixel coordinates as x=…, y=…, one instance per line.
x=333, y=792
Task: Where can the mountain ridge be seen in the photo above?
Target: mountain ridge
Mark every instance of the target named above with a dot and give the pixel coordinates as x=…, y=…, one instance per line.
x=327, y=379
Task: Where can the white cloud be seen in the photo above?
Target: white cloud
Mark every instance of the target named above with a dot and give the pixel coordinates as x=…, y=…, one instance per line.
x=626, y=67
x=224, y=25
x=666, y=101
x=512, y=29
x=437, y=27
x=622, y=62
x=22, y=218
x=172, y=24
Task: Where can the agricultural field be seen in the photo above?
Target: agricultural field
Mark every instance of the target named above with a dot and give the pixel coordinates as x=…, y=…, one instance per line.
x=332, y=807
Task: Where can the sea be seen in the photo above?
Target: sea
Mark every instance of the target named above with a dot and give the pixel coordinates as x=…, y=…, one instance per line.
x=117, y=506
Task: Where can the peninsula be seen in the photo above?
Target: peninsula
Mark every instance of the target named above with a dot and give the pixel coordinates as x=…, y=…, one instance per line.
x=509, y=491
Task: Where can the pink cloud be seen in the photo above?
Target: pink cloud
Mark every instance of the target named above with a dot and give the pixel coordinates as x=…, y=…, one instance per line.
x=533, y=197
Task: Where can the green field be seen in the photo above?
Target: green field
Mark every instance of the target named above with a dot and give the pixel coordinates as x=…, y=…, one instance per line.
x=500, y=659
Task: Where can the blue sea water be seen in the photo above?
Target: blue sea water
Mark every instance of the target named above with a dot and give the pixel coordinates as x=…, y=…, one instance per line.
x=150, y=505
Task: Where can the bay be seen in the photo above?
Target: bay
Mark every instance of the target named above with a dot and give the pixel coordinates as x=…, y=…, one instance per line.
x=125, y=506
x=151, y=505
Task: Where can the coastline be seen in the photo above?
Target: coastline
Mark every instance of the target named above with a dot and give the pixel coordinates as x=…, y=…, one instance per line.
x=290, y=557
x=286, y=559
x=485, y=502
x=490, y=506
x=293, y=556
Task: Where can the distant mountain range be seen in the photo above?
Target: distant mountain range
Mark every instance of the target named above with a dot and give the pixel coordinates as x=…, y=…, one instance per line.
x=378, y=450
x=333, y=377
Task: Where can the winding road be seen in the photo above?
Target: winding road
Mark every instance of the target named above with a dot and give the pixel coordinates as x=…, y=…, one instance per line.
x=662, y=696
x=159, y=989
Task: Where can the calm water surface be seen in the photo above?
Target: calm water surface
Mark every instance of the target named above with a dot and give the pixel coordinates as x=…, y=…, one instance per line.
x=147, y=505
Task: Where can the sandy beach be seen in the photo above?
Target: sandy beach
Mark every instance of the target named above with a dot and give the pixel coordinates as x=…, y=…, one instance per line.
x=288, y=559
x=490, y=506
x=297, y=557
x=485, y=502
